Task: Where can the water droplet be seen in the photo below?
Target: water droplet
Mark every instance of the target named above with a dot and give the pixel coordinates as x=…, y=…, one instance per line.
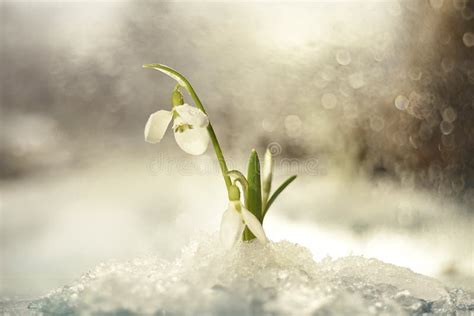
x=467, y=13
x=401, y=102
x=356, y=80
x=376, y=123
x=446, y=127
x=343, y=57
x=414, y=74
x=449, y=115
x=448, y=140
x=421, y=104
x=458, y=184
x=328, y=73
x=436, y=4
x=459, y=4
x=447, y=64
x=293, y=125
x=445, y=38
x=468, y=39
x=329, y=100
x=344, y=89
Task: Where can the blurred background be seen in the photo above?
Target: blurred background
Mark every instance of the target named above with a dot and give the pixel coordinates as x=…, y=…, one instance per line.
x=371, y=103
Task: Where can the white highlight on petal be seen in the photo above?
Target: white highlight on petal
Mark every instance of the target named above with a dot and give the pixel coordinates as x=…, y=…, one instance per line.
x=267, y=165
x=232, y=227
x=156, y=126
x=194, y=140
x=267, y=175
x=254, y=225
x=192, y=116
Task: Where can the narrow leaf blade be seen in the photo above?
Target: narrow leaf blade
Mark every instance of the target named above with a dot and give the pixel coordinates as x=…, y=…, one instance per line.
x=170, y=72
x=277, y=193
x=254, y=198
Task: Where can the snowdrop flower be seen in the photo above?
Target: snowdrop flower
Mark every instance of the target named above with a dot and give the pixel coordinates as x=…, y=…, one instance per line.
x=234, y=221
x=189, y=127
x=192, y=131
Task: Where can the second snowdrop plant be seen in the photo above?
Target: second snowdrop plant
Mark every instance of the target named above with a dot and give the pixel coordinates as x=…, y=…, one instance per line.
x=192, y=131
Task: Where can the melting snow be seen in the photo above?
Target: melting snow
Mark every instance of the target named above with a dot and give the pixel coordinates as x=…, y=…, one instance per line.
x=276, y=279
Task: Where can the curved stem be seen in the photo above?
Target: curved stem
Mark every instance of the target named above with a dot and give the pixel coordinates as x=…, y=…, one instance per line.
x=239, y=177
x=215, y=142
x=185, y=83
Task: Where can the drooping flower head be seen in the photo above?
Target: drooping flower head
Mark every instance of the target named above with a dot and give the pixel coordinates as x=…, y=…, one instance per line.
x=189, y=127
x=236, y=218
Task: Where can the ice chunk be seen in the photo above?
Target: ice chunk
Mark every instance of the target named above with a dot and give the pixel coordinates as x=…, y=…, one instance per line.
x=377, y=272
x=277, y=278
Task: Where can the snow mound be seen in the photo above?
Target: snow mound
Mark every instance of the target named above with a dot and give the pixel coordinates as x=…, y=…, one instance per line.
x=276, y=279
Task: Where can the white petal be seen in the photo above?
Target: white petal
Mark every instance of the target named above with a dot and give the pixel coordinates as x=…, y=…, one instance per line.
x=267, y=165
x=231, y=227
x=254, y=225
x=192, y=116
x=194, y=141
x=156, y=126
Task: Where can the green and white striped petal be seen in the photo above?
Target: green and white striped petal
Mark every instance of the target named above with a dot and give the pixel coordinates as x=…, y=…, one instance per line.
x=252, y=222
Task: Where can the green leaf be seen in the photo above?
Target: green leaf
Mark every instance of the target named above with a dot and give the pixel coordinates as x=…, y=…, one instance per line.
x=277, y=193
x=254, y=193
x=172, y=73
x=254, y=199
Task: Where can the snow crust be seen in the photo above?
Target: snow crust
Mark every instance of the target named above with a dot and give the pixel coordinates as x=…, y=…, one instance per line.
x=253, y=279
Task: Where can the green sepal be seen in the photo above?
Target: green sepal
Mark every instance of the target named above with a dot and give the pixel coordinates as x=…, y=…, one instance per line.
x=234, y=193
x=177, y=96
x=277, y=193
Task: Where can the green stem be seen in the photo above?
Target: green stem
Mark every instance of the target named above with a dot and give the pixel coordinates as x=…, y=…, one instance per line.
x=185, y=83
x=212, y=135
